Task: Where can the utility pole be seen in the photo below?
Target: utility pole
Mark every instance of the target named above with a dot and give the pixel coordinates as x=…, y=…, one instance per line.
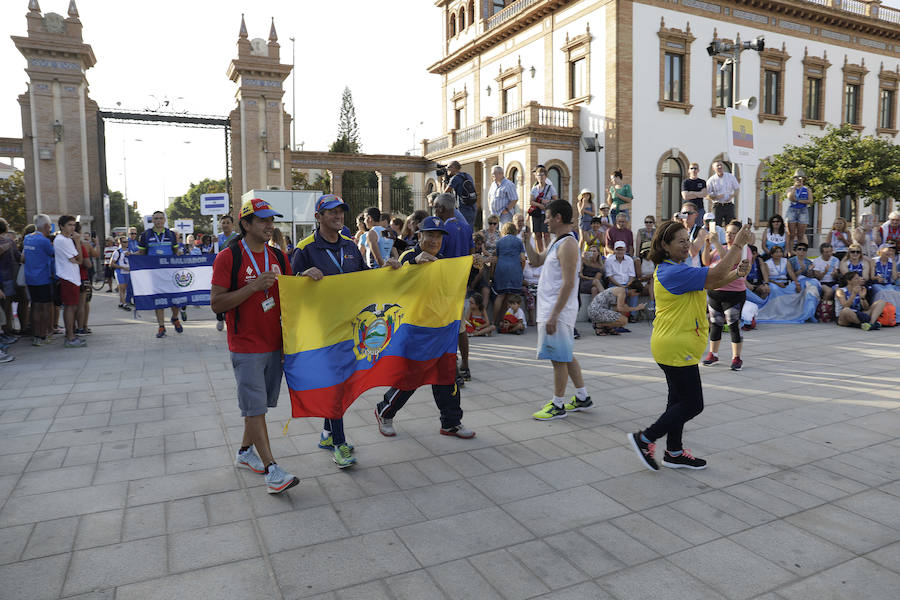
x=293, y=94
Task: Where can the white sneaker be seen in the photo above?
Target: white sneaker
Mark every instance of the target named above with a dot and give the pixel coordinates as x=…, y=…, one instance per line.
x=278, y=480
x=250, y=460
x=5, y=357
x=385, y=426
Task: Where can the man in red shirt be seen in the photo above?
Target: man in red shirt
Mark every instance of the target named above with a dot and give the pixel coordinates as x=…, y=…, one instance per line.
x=253, y=316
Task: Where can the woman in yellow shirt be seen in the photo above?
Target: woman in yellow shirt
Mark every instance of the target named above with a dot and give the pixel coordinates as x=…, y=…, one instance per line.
x=679, y=337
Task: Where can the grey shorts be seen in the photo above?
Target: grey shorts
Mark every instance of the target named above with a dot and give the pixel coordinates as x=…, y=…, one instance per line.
x=258, y=377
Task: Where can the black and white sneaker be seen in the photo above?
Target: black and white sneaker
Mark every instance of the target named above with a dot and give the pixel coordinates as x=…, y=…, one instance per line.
x=645, y=450
x=685, y=460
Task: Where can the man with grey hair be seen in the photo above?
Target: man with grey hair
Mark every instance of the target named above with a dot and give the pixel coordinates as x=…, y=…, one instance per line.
x=503, y=196
x=39, y=254
x=457, y=242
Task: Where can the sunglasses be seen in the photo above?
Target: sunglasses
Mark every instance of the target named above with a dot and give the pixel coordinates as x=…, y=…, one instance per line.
x=695, y=168
x=649, y=222
x=855, y=252
x=690, y=212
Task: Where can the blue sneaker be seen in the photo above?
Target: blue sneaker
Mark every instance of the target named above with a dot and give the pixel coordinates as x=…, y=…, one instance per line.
x=278, y=480
x=250, y=460
x=327, y=443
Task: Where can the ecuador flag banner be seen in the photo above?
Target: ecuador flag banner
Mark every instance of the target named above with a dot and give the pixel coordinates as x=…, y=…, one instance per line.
x=345, y=334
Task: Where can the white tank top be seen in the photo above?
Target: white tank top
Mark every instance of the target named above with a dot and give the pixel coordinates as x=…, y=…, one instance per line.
x=550, y=283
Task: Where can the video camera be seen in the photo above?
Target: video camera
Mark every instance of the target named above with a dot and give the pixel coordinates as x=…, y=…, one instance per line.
x=441, y=170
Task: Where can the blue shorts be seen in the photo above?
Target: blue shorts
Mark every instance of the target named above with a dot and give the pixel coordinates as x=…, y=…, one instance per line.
x=798, y=215
x=122, y=278
x=557, y=347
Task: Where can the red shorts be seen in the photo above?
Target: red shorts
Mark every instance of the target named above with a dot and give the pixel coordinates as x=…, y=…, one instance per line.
x=68, y=293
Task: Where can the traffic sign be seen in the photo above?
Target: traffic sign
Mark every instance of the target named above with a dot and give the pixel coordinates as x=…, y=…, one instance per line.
x=214, y=204
x=148, y=221
x=184, y=226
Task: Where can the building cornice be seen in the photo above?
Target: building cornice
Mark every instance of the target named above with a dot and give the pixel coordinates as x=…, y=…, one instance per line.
x=490, y=38
x=805, y=10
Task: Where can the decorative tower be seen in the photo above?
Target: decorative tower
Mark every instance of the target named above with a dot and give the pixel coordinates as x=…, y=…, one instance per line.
x=260, y=127
x=59, y=120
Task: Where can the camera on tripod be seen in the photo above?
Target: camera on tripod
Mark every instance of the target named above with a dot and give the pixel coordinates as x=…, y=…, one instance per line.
x=441, y=170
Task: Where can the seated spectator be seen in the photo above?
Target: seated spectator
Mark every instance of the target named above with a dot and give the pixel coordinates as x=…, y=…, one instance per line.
x=758, y=277
x=620, y=233
x=856, y=262
x=774, y=235
x=620, y=273
x=605, y=220
x=645, y=277
x=839, y=237
x=852, y=309
x=530, y=276
x=591, y=276
x=826, y=268
x=802, y=266
x=780, y=271
x=594, y=237
x=889, y=230
x=608, y=311
x=865, y=237
x=645, y=233
x=514, y=319
x=885, y=269
x=491, y=235
x=477, y=324
x=509, y=261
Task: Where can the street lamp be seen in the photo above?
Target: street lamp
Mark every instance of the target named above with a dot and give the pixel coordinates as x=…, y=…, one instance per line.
x=592, y=144
x=293, y=93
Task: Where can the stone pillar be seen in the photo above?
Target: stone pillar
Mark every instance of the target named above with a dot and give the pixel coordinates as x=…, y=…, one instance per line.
x=486, y=166
x=336, y=175
x=384, y=190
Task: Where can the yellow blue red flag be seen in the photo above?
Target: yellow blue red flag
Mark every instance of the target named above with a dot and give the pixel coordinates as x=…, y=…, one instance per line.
x=345, y=334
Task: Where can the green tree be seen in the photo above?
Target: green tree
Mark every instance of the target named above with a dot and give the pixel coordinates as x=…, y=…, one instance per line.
x=841, y=164
x=348, y=133
x=117, y=213
x=12, y=200
x=188, y=205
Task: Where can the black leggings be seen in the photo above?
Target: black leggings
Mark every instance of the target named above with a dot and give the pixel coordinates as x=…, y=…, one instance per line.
x=725, y=307
x=685, y=402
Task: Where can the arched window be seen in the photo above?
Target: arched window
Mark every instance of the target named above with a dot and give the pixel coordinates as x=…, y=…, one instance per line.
x=555, y=177
x=514, y=175
x=672, y=175
x=452, y=25
x=462, y=18
x=471, y=12
x=429, y=188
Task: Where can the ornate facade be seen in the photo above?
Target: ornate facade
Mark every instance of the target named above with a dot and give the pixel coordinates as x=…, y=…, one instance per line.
x=522, y=82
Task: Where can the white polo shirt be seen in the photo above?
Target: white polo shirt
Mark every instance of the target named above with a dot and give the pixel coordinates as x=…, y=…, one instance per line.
x=620, y=272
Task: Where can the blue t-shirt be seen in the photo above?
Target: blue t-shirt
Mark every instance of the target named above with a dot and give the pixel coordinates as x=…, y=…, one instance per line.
x=133, y=246
x=458, y=241
x=457, y=183
x=223, y=239
x=886, y=270
x=158, y=244
x=38, y=251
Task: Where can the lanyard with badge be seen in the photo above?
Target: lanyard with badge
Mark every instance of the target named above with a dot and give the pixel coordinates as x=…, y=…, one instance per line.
x=339, y=265
x=269, y=303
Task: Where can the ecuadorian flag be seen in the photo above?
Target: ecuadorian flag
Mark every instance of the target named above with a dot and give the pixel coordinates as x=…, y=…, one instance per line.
x=348, y=333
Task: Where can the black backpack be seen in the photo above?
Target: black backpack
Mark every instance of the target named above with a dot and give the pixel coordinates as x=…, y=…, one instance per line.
x=236, y=261
x=468, y=196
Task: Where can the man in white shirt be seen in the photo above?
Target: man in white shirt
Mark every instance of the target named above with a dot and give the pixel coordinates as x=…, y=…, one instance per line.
x=825, y=269
x=721, y=187
x=620, y=272
x=503, y=196
x=67, y=250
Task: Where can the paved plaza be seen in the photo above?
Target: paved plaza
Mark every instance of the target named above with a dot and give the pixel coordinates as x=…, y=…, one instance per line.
x=117, y=482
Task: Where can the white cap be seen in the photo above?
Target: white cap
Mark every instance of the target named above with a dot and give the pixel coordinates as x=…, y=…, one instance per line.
x=619, y=244
x=709, y=217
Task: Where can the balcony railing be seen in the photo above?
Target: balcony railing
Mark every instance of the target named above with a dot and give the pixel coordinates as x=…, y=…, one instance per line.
x=531, y=115
x=508, y=13
x=854, y=6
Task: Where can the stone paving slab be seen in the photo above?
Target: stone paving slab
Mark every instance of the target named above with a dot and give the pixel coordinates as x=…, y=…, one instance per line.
x=117, y=480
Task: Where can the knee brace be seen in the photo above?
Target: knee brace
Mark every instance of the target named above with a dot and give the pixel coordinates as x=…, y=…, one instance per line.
x=716, y=321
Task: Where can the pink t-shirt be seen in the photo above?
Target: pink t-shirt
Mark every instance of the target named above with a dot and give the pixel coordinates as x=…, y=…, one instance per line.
x=739, y=284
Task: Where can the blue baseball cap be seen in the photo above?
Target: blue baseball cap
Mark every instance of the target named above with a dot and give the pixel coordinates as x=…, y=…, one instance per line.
x=433, y=224
x=329, y=201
